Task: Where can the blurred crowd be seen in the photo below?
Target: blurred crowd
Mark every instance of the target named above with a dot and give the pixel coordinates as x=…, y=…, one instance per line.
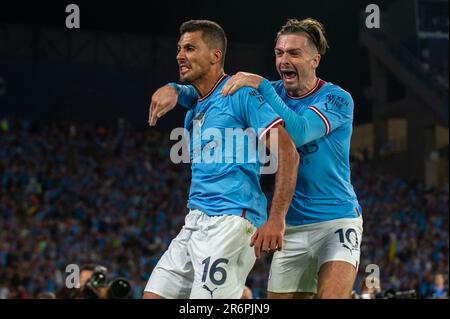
x=82, y=194
x=405, y=230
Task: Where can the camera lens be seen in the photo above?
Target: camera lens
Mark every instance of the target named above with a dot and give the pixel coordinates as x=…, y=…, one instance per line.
x=98, y=280
x=119, y=289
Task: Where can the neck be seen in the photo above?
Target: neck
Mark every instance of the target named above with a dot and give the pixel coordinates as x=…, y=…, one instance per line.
x=207, y=82
x=305, y=87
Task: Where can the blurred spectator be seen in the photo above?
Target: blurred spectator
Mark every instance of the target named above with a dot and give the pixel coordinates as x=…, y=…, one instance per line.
x=247, y=294
x=371, y=291
x=46, y=295
x=439, y=290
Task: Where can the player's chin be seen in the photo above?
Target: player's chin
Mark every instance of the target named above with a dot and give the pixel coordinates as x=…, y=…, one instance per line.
x=187, y=77
x=184, y=78
x=290, y=84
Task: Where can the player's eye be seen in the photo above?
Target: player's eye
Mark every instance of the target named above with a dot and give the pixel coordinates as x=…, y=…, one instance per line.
x=278, y=53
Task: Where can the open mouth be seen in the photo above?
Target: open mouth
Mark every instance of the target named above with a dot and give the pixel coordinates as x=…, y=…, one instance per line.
x=183, y=69
x=288, y=74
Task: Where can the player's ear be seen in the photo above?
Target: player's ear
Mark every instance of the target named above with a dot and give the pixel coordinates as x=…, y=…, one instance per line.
x=316, y=60
x=216, y=56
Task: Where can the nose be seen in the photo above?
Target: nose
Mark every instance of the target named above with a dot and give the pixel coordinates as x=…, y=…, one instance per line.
x=180, y=56
x=283, y=59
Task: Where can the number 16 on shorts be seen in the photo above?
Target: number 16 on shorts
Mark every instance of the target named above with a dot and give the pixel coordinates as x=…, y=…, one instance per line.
x=215, y=269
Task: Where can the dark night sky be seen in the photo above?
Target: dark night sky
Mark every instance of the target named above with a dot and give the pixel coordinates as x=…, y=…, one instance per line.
x=243, y=21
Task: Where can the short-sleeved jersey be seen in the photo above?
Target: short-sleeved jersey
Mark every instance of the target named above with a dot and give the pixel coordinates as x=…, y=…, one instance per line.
x=222, y=183
x=324, y=190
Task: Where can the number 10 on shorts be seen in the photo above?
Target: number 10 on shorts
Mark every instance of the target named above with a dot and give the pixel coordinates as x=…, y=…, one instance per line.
x=350, y=240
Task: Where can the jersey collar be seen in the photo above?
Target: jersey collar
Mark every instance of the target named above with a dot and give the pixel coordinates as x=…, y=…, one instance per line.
x=220, y=80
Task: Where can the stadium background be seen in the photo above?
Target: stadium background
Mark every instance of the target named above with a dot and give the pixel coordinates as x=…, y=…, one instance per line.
x=83, y=179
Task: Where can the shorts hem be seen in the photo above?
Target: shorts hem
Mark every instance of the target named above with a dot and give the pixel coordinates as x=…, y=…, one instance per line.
x=354, y=264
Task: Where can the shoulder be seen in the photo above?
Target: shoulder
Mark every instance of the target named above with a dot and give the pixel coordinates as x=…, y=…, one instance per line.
x=248, y=95
x=334, y=89
x=246, y=90
x=238, y=103
x=337, y=96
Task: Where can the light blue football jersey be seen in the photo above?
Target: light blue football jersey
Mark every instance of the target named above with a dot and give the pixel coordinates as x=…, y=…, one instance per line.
x=226, y=185
x=324, y=190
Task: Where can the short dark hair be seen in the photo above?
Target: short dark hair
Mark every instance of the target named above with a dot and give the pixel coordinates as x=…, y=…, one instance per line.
x=88, y=267
x=313, y=28
x=212, y=34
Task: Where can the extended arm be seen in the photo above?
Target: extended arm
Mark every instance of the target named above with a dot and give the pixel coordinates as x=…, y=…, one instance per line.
x=302, y=128
x=167, y=97
x=316, y=121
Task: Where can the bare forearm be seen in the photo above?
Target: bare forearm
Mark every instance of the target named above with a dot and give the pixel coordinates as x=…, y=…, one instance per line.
x=270, y=236
x=285, y=178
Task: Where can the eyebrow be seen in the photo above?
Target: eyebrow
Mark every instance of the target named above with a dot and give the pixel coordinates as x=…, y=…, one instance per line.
x=189, y=44
x=289, y=50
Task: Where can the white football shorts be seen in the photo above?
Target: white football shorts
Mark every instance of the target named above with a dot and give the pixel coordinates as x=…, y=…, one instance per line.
x=308, y=247
x=211, y=257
